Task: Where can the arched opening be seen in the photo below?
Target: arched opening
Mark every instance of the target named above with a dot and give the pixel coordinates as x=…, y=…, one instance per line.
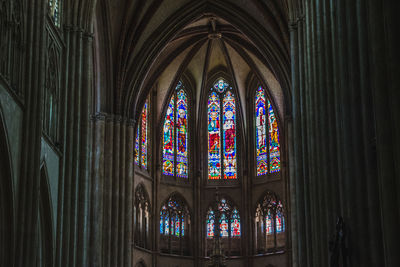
x=45, y=225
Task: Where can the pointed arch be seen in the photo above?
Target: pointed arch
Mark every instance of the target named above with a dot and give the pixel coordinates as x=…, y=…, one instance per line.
x=142, y=216
x=223, y=216
x=175, y=140
x=269, y=223
x=222, y=110
x=46, y=241
x=175, y=225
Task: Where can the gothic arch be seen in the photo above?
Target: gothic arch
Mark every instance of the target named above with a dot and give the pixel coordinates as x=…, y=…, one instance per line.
x=45, y=219
x=215, y=74
x=6, y=199
x=178, y=21
x=142, y=216
x=188, y=87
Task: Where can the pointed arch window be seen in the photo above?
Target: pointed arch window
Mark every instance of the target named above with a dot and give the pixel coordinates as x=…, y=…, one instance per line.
x=54, y=11
x=222, y=156
x=142, y=217
x=175, y=135
x=142, y=137
x=225, y=217
x=267, y=135
x=270, y=224
x=174, y=226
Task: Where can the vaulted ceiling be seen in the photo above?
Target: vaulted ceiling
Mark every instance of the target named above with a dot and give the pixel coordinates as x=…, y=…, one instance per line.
x=143, y=43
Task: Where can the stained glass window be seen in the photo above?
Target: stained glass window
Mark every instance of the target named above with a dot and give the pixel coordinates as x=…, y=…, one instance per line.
x=235, y=223
x=54, y=11
x=270, y=225
x=142, y=137
x=261, y=135
x=137, y=145
x=214, y=137
x=280, y=225
x=168, y=141
x=224, y=133
x=210, y=223
x=144, y=119
x=229, y=134
x=267, y=149
x=173, y=217
x=175, y=135
x=181, y=125
x=228, y=220
x=274, y=148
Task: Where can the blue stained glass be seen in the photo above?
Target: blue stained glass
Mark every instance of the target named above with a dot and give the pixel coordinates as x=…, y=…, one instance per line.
x=280, y=222
x=210, y=224
x=221, y=85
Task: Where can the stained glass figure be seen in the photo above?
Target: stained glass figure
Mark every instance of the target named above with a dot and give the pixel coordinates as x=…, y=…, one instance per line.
x=261, y=135
x=235, y=223
x=210, y=224
x=214, y=138
x=137, y=146
x=223, y=225
x=175, y=135
x=229, y=136
x=144, y=142
x=274, y=147
x=168, y=139
x=181, y=138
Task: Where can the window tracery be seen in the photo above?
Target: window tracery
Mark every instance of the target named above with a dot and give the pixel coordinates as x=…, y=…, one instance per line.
x=142, y=217
x=174, y=226
x=222, y=161
x=269, y=224
x=175, y=135
x=227, y=218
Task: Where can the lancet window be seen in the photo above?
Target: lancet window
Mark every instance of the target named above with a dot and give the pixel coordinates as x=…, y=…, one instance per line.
x=223, y=219
x=269, y=224
x=174, y=226
x=221, y=127
x=142, y=137
x=142, y=217
x=267, y=135
x=175, y=135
